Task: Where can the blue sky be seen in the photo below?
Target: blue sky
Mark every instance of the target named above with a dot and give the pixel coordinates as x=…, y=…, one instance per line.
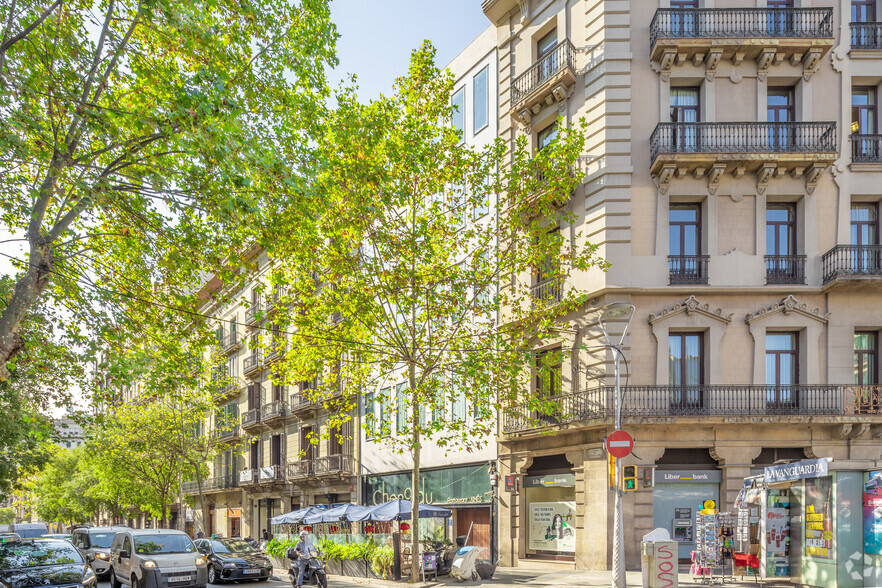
x=377, y=36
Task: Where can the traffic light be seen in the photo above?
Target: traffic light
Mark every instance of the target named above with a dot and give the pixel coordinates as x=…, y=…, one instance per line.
x=611, y=468
x=629, y=478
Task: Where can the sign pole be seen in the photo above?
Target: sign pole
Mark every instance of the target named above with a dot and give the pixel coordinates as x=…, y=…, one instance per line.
x=618, y=571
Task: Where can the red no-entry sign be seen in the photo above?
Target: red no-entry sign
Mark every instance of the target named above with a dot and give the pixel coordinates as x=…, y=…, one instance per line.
x=619, y=444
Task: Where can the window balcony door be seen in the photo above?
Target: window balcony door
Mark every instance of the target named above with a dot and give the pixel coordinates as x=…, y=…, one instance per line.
x=546, y=55
x=782, y=371
x=685, y=23
x=780, y=19
x=864, y=126
x=779, y=109
x=685, y=109
x=866, y=372
x=686, y=371
x=865, y=258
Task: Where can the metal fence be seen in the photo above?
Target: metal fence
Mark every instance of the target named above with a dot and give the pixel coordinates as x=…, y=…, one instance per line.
x=785, y=269
x=852, y=260
x=687, y=269
x=866, y=35
x=546, y=67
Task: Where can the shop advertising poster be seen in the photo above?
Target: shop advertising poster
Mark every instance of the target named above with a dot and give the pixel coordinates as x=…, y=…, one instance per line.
x=552, y=526
x=873, y=513
x=819, y=518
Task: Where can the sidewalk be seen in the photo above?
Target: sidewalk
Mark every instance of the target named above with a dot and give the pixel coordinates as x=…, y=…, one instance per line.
x=517, y=577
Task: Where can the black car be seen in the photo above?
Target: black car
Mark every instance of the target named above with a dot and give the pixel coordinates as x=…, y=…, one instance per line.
x=234, y=559
x=43, y=562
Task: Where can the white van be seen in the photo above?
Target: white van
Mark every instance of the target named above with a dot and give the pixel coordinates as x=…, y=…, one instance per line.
x=156, y=558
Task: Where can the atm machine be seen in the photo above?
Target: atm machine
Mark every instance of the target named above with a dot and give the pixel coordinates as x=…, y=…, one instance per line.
x=683, y=531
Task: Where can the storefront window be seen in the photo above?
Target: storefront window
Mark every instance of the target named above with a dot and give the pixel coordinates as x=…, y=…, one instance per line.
x=551, y=514
x=819, y=518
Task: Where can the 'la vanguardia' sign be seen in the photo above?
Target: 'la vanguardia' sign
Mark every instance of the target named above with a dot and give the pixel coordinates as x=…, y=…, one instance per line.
x=798, y=470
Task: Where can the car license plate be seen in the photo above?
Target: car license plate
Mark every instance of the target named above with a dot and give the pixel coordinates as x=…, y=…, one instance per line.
x=180, y=578
x=252, y=571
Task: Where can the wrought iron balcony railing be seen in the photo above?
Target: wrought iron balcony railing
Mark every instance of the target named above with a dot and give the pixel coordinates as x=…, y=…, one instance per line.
x=856, y=261
x=228, y=432
x=866, y=148
x=252, y=313
x=640, y=402
x=229, y=342
x=299, y=469
x=334, y=464
x=251, y=418
x=785, y=269
x=561, y=58
x=270, y=474
x=743, y=137
x=866, y=35
x=248, y=477
x=549, y=290
x=301, y=402
x=687, y=269
x=252, y=363
x=274, y=410
x=741, y=23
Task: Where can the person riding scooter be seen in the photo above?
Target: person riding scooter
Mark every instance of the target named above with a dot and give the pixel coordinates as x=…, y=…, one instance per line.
x=303, y=549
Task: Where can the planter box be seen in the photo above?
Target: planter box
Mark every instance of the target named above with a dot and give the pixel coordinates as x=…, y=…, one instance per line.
x=280, y=562
x=369, y=571
x=353, y=567
x=334, y=566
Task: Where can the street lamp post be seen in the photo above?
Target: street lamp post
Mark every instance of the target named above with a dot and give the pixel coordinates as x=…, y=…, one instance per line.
x=618, y=311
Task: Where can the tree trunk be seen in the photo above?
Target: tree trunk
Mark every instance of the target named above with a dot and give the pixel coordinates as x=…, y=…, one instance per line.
x=415, y=555
x=200, y=525
x=27, y=291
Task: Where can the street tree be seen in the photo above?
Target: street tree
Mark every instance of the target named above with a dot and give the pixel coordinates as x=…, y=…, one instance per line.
x=136, y=139
x=418, y=264
x=61, y=489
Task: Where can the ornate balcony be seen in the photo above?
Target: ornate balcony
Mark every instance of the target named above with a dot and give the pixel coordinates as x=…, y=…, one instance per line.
x=708, y=35
x=274, y=412
x=226, y=390
x=251, y=420
x=253, y=364
x=274, y=352
x=596, y=406
x=548, y=81
x=230, y=343
x=210, y=485
x=547, y=291
x=866, y=148
x=785, y=269
x=253, y=313
x=853, y=263
x=271, y=474
x=334, y=465
x=248, y=477
x=866, y=35
x=804, y=149
x=300, y=470
x=302, y=404
x=687, y=269
x=228, y=432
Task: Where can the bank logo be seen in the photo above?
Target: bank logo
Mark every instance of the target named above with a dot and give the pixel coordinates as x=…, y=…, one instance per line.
x=852, y=566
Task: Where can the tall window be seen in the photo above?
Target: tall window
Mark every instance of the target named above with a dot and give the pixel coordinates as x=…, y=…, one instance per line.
x=276, y=450
x=401, y=407
x=783, y=266
x=868, y=397
x=684, y=240
x=863, y=122
x=480, y=100
x=685, y=109
x=546, y=56
x=385, y=419
x=866, y=258
x=307, y=449
x=779, y=109
x=863, y=10
x=549, y=371
x=782, y=370
x=780, y=21
x=369, y=415
x=686, y=369
x=255, y=454
x=684, y=24
x=866, y=359
x=458, y=121
x=546, y=136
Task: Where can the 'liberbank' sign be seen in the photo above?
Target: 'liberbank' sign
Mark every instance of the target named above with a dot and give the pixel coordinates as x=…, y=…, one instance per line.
x=798, y=470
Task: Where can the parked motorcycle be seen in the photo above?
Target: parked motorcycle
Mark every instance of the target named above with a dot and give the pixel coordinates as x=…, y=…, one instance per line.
x=444, y=555
x=315, y=575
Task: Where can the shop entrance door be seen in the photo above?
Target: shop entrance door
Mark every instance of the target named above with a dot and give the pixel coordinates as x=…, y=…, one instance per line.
x=235, y=527
x=479, y=519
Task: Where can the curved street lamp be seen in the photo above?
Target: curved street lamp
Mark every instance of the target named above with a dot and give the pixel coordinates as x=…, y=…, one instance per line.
x=617, y=312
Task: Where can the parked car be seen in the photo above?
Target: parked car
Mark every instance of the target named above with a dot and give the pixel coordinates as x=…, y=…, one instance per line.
x=62, y=536
x=6, y=537
x=43, y=562
x=30, y=530
x=234, y=559
x=155, y=558
x=96, y=541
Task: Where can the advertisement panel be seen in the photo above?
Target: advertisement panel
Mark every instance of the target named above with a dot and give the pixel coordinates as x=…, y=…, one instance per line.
x=873, y=513
x=552, y=526
x=819, y=518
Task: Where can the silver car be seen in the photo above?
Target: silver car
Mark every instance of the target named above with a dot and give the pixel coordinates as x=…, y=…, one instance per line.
x=95, y=541
x=156, y=558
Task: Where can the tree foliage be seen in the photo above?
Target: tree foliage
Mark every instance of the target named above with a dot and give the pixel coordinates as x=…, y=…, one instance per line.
x=418, y=261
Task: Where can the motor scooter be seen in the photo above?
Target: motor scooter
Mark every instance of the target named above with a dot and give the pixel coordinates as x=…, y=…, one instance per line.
x=315, y=574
